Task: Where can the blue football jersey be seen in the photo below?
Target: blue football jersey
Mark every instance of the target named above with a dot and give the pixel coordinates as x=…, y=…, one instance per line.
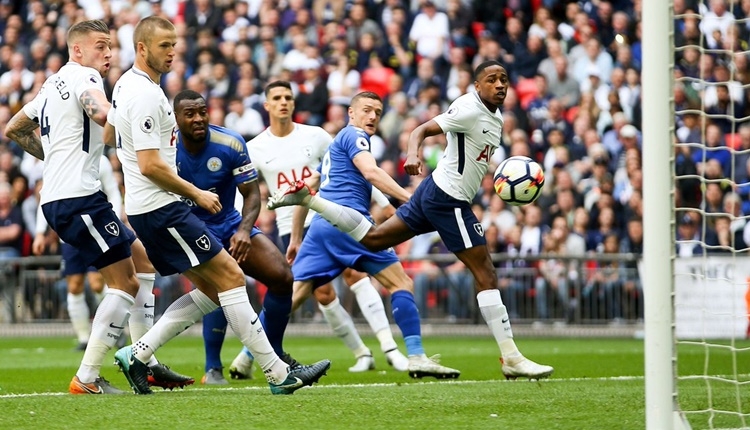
x=220, y=167
x=341, y=181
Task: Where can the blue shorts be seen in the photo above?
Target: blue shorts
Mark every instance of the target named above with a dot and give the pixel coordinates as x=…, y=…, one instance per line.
x=71, y=261
x=224, y=232
x=174, y=238
x=91, y=226
x=431, y=209
x=326, y=252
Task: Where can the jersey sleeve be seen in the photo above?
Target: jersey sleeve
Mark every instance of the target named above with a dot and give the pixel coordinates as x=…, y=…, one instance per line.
x=87, y=79
x=145, y=117
x=356, y=142
x=323, y=141
x=243, y=169
x=458, y=118
x=31, y=109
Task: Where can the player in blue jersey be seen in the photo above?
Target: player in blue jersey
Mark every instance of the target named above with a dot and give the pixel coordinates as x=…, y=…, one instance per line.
x=142, y=124
x=347, y=175
x=215, y=158
x=442, y=202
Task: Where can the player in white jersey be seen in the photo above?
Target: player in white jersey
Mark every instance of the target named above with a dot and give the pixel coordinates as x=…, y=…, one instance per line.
x=442, y=202
x=285, y=153
x=75, y=271
x=143, y=125
x=71, y=109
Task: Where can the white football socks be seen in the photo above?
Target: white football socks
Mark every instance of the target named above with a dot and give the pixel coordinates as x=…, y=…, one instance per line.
x=342, y=325
x=496, y=315
x=142, y=312
x=343, y=218
x=371, y=305
x=109, y=323
x=78, y=311
x=183, y=313
x=246, y=325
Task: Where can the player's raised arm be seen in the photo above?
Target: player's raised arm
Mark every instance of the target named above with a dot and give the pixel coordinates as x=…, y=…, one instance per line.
x=366, y=164
x=22, y=130
x=413, y=163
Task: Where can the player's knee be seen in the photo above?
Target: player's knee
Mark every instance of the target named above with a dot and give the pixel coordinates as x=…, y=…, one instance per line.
x=283, y=283
x=325, y=294
x=75, y=284
x=352, y=276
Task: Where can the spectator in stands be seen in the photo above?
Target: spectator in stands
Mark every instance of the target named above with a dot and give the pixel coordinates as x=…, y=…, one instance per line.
x=430, y=32
x=11, y=225
x=244, y=120
x=715, y=150
x=312, y=100
x=691, y=236
x=595, y=58
x=397, y=53
x=562, y=84
x=602, y=293
x=426, y=75
x=342, y=82
x=727, y=111
x=358, y=24
x=717, y=18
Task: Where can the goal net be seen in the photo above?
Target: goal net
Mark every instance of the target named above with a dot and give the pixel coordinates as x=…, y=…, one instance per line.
x=695, y=81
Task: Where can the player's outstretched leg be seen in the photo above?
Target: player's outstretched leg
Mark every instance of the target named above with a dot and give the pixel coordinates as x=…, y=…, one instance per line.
x=407, y=318
x=343, y=218
x=183, y=313
x=371, y=305
x=513, y=363
x=282, y=378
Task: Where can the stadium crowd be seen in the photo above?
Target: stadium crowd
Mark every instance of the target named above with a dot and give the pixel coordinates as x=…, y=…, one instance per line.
x=574, y=106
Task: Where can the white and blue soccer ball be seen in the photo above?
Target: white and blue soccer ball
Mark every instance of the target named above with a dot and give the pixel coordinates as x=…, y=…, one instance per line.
x=519, y=180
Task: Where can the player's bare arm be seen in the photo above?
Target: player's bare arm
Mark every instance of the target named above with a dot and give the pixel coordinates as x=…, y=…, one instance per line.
x=154, y=168
x=22, y=130
x=366, y=164
x=96, y=105
x=240, y=244
x=109, y=135
x=413, y=164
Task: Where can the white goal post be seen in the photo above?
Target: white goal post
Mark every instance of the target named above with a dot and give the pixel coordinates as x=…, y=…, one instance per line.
x=662, y=409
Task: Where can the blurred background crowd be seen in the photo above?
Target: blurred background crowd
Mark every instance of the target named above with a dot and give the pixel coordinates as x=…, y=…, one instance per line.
x=574, y=106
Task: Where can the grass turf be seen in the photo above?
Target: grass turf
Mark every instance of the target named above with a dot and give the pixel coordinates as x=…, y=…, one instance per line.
x=598, y=384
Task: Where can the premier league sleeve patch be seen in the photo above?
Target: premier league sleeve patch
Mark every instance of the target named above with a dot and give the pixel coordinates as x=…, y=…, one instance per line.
x=147, y=124
x=452, y=111
x=93, y=79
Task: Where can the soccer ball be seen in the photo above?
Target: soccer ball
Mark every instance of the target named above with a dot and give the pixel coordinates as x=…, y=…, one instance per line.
x=519, y=180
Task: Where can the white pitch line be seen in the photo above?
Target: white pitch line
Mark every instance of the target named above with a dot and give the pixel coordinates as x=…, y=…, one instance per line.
x=375, y=385
x=384, y=385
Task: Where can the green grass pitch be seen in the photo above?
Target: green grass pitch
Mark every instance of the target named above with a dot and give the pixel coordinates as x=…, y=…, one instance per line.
x=597, y=384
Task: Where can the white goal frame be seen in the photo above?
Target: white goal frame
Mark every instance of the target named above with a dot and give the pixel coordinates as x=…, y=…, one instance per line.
x=662, y=409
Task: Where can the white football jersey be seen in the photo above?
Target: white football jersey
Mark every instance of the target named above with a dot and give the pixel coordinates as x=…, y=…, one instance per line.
x=473, y=134
x=72, y=141
x=143, y=119
x=285, y=160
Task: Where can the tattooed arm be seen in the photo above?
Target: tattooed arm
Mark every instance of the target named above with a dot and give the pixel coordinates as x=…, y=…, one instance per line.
x=22, y=130
x=96, y=105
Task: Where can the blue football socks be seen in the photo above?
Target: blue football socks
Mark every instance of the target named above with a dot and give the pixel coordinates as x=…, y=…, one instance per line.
x=214, y=329
x=406, y=315
x=275, y=317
